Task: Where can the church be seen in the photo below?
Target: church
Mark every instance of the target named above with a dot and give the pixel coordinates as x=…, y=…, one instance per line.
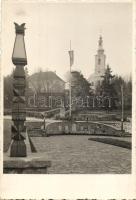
x=100, y=64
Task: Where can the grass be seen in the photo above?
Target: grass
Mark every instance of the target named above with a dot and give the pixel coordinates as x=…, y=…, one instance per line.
x=113, y=141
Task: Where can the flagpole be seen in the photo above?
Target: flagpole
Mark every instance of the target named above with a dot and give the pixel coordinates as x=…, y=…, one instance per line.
x=70, y=88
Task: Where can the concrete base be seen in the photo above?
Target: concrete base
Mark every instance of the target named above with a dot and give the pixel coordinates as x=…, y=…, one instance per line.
x=33, y=164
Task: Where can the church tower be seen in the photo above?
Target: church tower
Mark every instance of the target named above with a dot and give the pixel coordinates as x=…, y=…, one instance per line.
x=100, y=63
x=100, y=59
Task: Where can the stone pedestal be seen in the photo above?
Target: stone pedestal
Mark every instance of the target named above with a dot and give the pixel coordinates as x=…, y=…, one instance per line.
x=32, y=164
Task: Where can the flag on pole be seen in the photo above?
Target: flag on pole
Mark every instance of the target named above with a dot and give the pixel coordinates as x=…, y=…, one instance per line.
x=71, y=55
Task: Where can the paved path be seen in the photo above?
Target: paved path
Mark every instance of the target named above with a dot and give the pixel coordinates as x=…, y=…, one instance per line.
x=33, y=119
x=76, y=154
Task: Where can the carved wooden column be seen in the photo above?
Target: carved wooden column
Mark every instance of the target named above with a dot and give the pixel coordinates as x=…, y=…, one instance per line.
x=19, y=59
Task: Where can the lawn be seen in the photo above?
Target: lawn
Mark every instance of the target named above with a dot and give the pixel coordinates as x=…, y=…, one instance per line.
x=77, y=155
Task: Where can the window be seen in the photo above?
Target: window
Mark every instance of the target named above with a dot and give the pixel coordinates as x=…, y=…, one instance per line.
x=99, y=61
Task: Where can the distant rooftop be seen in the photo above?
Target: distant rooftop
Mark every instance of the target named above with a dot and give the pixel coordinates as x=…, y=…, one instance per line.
x=48, y=75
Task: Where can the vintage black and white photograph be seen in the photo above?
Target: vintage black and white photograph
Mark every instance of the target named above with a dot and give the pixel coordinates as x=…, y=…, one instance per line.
x=67, y=87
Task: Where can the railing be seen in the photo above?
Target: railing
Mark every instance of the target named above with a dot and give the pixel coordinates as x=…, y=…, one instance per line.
x=48, y=113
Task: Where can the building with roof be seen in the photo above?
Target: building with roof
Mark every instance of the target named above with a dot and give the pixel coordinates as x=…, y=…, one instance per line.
x=46, y=90
x=46, y=82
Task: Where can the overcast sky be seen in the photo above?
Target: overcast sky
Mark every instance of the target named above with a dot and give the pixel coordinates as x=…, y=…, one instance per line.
x=50, y=27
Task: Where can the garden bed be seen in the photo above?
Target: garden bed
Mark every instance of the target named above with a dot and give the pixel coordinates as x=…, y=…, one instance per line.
x=113, y=141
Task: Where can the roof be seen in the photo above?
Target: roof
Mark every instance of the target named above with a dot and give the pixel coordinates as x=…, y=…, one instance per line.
x=48, y=75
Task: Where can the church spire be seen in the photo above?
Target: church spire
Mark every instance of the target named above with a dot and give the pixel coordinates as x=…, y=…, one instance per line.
x=100, y=58
x=100, y=43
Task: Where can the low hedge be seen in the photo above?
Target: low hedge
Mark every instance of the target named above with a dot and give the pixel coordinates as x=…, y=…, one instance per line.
x=113, y=141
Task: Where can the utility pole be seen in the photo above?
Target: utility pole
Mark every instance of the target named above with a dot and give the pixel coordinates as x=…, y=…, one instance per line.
x=122, y=108
x=71, y=55
x=70, y=88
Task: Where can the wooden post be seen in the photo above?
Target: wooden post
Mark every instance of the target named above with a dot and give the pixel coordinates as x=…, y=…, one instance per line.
x=19, y=59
